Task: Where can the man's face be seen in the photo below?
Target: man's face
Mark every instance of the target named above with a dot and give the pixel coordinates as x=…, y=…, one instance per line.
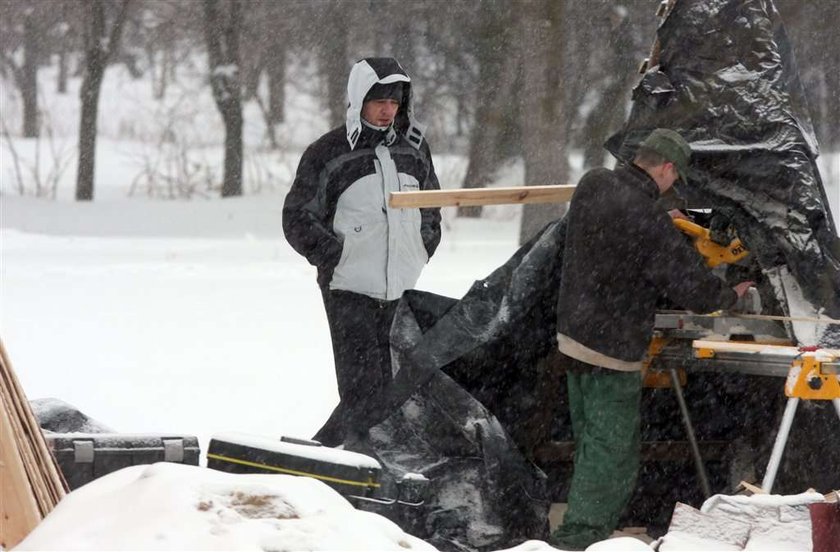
x=665, y=175
x=380, y=113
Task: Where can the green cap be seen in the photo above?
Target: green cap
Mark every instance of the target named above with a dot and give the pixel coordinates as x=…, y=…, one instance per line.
x=670, y=145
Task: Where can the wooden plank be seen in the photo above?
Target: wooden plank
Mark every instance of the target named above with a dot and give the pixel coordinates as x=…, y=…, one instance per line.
x=481, y=196
x=19, y=511
x=32, y=482
x=754, y=489
x=755, y=348
x=16, y=410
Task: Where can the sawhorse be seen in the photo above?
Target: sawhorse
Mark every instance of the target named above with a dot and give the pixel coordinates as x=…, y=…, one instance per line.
x=813, y=376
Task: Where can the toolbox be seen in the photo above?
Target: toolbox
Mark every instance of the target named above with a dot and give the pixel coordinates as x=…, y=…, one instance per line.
x=84, y=457
x=349, y=473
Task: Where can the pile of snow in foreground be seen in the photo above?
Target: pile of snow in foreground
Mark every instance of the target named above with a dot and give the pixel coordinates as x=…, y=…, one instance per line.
x=169, y=506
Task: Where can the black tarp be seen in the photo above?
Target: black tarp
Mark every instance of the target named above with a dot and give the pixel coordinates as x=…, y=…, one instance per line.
x=468, y=377
x=727, y=81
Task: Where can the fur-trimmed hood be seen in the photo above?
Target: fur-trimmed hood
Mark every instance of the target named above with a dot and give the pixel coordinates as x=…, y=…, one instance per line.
x=368, y=72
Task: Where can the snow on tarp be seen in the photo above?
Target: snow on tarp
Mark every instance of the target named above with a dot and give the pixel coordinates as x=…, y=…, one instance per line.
x=738, y=100
x=317, y=453
x=58, y=416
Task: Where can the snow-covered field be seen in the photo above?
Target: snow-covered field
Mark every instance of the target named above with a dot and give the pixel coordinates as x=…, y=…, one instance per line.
x=189, y=316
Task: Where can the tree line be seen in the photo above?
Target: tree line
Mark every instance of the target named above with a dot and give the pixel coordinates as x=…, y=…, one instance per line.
x=527, y=78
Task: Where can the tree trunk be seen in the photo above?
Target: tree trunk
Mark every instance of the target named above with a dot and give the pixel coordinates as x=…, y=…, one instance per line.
x=89, y=95
x=29, y=77
x=543, y=140
x=223, y=52
x=232, y=185
x=609, y=111
x=831, y=99
x=61, y=87
x=334, y=61
x=63, y=62
x=161, y=72
x=494, y=100
x=252, y=73
x=404, y=50
x=99, y=48
x=275, y=69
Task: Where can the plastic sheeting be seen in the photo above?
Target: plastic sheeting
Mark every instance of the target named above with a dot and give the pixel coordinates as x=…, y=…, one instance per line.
x=466, y=399
x=727, y=81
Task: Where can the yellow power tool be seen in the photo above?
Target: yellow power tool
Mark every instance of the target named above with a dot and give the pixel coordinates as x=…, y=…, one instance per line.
x=713, y=252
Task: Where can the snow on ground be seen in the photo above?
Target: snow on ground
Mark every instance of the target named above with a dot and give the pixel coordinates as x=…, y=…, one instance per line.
x=176, y=507
x=192, y=317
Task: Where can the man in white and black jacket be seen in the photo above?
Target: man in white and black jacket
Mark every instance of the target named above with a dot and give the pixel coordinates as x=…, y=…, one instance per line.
x=367, y=254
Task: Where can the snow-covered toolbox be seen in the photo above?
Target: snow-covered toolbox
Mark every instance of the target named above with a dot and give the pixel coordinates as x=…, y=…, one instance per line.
x=349, y=473
x=83, y=457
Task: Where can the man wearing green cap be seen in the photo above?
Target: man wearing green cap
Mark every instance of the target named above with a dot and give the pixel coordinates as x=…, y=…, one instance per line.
x=621, y=254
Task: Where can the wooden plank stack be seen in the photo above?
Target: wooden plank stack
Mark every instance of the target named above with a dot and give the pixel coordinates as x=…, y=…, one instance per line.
x=30, y=482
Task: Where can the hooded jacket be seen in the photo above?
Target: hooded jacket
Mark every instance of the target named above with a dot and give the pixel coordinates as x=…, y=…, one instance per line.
x=336, y=213
x=622, y=253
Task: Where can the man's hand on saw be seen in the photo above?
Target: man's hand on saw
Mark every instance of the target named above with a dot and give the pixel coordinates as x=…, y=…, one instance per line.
x=677, y=214
x=749, y=301
x=742, y=288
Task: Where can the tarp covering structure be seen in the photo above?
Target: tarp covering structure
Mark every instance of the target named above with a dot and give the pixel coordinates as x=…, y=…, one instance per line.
x=468, y=375
x=474, y=387
x=727, y=80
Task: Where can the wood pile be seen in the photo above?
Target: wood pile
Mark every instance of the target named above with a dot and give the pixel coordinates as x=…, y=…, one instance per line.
x=30, y=481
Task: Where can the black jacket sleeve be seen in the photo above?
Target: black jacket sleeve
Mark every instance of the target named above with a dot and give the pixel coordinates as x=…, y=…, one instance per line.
x=678, y=269
x=305, y=216
x=430, y=217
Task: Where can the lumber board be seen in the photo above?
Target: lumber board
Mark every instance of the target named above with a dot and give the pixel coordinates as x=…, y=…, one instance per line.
x=755, y=348
x=32, y=483
x=19, y=511
x=465, y=197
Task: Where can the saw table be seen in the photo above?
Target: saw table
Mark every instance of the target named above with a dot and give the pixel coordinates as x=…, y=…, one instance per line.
x=687, y=343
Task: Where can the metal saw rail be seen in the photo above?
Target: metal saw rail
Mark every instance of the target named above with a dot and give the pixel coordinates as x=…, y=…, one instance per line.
x=728, y=356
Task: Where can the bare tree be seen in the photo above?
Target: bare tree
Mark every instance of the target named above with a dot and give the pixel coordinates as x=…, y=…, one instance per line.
x=271, y=24
x=333, y=57
x=63, y=39
x=222, y=29
x=101, y=45
x=21, y=29
x=496, y=109
x=619, y=65
x=542, y=108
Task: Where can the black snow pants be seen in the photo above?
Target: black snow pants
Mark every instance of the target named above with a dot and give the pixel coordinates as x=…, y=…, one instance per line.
x=360, y=328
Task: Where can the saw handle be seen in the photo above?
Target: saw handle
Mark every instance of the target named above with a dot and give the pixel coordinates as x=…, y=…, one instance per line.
x=714, y=253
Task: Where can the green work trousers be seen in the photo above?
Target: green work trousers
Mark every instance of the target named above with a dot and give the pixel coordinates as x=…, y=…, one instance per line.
x=604, y=407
